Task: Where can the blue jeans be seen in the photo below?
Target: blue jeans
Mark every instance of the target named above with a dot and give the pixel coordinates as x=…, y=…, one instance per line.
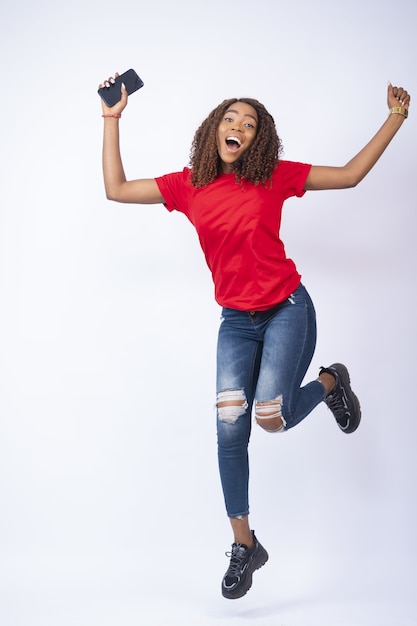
x=261, y=356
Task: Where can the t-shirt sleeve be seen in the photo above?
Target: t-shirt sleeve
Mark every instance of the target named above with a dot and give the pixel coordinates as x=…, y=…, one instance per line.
x=292, y=176
x=173, y=188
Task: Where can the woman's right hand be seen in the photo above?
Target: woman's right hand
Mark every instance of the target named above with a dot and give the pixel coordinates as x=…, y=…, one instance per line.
x=119, y=106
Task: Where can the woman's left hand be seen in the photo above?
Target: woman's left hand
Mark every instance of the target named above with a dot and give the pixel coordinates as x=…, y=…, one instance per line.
x=397, y=97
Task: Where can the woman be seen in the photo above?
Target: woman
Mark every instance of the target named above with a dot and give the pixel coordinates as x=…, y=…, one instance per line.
x=233, y=194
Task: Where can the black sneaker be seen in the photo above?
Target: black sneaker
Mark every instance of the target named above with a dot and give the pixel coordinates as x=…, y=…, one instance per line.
x=342, y=401
x=243, y=562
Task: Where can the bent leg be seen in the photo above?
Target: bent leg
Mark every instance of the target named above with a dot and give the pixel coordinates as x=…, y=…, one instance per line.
x=289, y=343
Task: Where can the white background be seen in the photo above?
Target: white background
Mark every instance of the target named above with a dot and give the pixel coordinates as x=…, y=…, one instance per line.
x=111, y=509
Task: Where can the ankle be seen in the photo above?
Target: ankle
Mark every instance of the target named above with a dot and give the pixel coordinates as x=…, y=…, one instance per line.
x=245, y=539
x=328, y=381
x=242, y=532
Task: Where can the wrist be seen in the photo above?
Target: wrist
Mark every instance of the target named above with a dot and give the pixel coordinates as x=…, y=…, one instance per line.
x=115, y=116
x=399, y=111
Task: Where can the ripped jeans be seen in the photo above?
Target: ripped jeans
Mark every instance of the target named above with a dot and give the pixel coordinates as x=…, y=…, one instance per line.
x=261, y=357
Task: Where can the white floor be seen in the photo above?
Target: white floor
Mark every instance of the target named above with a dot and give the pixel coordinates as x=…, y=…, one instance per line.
x=73, y=590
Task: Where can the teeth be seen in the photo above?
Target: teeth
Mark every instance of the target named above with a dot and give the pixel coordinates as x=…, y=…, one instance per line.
x=233, y=138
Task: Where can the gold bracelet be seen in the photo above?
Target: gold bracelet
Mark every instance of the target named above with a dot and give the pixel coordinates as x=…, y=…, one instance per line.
x=401, y=110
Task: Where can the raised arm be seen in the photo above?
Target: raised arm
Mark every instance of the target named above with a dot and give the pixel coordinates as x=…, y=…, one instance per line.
x=349, y=175
x=142, y=191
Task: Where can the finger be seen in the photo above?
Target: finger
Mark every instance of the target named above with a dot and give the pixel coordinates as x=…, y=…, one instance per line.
x=107, y=83
x=404, y=97
x=124, y=94
x=400, y=93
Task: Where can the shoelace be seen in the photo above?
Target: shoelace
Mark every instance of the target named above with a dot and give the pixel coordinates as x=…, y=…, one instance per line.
x=336, y=405
x=237, y=556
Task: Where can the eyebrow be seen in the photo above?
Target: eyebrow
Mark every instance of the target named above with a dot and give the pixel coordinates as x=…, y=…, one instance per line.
x=245, y=115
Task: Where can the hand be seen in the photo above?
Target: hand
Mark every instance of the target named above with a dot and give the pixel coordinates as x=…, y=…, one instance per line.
x=397, y=97
x=119, y=106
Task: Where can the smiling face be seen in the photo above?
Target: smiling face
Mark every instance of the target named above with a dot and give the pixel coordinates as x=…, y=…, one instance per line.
x=236, y=133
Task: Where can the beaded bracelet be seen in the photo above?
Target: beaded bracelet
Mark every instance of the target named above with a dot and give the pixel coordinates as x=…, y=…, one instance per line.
x=116, y=115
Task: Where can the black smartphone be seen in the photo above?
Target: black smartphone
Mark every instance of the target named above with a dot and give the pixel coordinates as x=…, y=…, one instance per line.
x=111, y=95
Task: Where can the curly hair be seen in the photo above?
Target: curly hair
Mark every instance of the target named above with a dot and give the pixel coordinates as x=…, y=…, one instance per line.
x=256, y=165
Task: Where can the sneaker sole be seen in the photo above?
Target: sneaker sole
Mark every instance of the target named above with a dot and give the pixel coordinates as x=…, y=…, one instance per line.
x=246, y=582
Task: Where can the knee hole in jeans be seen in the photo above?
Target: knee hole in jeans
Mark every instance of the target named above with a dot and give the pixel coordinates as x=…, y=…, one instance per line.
x=269, y=415
x=231, y=404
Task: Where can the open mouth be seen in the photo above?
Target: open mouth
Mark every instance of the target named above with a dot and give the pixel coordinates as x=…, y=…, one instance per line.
x=233, y=143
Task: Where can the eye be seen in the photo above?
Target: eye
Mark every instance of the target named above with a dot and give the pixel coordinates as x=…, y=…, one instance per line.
x=228, y=119
x=249, y=125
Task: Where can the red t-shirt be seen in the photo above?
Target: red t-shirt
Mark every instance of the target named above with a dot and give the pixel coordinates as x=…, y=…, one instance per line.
x=238, y=227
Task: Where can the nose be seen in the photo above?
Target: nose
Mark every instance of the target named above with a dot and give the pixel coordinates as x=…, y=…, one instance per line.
x=237, y=125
